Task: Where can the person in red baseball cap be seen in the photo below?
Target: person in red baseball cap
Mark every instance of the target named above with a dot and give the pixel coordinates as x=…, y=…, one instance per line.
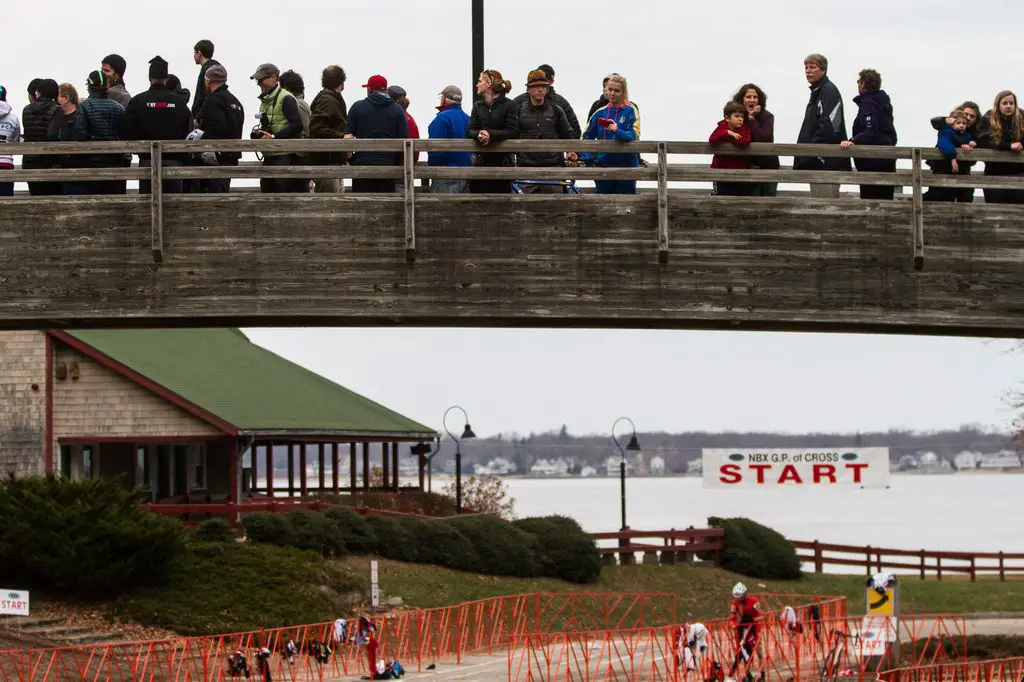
x=378, y=117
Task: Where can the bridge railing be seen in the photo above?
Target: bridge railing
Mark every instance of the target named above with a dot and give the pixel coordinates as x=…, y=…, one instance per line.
x=410, y=172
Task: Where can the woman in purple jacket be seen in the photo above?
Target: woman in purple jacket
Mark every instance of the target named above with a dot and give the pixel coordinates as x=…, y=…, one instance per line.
x=762, y=129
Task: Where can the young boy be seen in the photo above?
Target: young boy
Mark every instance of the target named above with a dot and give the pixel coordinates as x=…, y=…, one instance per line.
x=952, y=138
x=732, y=130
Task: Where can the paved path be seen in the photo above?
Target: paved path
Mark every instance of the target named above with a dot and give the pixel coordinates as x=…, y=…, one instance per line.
x=495, y=668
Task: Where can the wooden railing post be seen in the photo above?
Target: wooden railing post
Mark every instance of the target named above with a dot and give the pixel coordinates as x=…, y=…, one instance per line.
x=818, y=559
x=662, y=202
x=410, y=201
x=156, y=199
x=938, y=566
x=867, y=560
x=917, y=230
x=1002, y=570
x=922, y=565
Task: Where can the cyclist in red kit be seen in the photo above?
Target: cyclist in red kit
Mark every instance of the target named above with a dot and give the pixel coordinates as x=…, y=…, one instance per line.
x=745, y=612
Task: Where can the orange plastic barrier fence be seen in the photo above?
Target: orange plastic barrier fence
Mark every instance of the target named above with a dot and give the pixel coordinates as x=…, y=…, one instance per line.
x=653, y=653
x=1002, y=670
x=317, y=652
x=853, y=649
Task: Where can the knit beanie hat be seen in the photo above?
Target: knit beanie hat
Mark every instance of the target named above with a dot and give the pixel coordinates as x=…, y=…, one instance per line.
x=47, y=87
x=97, y=81
x=3, y=94
x=157, y=67
x=116, y=62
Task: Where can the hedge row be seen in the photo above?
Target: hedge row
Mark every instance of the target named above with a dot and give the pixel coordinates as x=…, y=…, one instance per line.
x=552, y=546
x=86, y=538
x=755, y=550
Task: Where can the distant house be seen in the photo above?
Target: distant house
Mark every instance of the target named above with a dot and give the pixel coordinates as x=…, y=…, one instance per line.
x=657, y=466
x=1007, y=459
x=588, y=471
x=611, y=466
x=498, y=466
x=695, y=467
x=967, y=459
x=189, y=416
x=543, y=467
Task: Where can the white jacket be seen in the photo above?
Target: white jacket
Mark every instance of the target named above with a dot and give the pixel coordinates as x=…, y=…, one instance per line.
x=10, y=133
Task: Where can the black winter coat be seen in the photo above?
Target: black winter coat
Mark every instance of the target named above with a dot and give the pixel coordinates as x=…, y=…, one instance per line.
x=549, y=122
x=824, y=123
x=499, y=119
x=222, y=118
x=201, y=94
x=35, y=123
x=157, y=114
x=1008, y=137
x=559, y=101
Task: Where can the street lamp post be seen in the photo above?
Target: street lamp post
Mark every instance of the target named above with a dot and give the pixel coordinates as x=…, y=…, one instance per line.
x=632, y=446
x=478, y=44
x=467, y=433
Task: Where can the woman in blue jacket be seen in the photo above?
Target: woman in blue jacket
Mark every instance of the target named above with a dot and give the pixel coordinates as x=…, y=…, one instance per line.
x=618, y=120
x=874, y=126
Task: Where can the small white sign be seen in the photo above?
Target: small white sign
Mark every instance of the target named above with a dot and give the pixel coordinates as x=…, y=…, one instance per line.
x=13, y=602
x=807, y=468
x=876, y=634
x=375, y=595
x=373, y=572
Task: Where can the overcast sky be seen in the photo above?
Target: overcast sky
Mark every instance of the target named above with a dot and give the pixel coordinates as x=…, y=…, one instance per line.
x=683, y=61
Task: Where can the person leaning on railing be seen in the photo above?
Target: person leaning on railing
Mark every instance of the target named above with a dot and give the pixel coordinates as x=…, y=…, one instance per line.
x=972, y=115
x=329, y=121
x=874, y=125
x=824, y=123
x=1002, y=129
x=279, y=119
x=99, y=119
x=541, y=119
x=953, y=138
x=493, y=120
x=762, y=130
x=221, y=118
x=450, y=123
x=62, y=127
x=618, y=120
x=35, y=119
x=10, y=134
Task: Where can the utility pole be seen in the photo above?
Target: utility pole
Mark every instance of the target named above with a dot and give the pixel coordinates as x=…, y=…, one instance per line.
x=478, y=45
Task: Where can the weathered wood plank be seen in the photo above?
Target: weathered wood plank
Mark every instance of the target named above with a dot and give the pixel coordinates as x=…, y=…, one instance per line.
x=800, y=264
x=409, y=180
x=663, y=229
x=156, y=206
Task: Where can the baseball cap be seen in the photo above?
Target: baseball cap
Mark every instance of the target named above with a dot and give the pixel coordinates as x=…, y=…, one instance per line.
x=376, y=83
x=396, y=91
x=452, y=92
x=217, y=74
x=265, y=71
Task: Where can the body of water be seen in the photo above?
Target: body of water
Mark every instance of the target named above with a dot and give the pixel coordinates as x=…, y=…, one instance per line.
x=971, y=512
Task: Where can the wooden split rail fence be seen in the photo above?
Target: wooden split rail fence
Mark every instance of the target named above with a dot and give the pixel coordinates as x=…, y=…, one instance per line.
x=923, y=562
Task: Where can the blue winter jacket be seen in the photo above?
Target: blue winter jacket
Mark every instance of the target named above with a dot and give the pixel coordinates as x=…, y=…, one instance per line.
x=377, y=117
x=449, y=124
x=628, y=121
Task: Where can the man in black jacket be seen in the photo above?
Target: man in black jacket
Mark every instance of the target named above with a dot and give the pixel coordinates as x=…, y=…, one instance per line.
x=35, y=122
x=824, y=123
x=328, y=120
x=541, y=119
x=221, y=118
x=374, y=118
x=202, y=54
x=555, y=98
x=158, y=114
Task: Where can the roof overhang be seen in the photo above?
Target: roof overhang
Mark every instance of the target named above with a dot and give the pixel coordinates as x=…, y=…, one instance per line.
x=295, y=435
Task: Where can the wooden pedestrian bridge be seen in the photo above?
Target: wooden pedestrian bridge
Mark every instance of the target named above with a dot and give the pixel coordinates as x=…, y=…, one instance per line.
x=669, y=257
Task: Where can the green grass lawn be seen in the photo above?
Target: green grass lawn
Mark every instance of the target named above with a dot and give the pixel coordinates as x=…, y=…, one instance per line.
x=235, y=587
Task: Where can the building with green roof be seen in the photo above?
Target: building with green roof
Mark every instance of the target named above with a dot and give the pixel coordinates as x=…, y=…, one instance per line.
x=197, y=418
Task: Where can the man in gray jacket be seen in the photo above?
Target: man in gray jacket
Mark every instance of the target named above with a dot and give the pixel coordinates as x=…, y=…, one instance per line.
x=824, y=123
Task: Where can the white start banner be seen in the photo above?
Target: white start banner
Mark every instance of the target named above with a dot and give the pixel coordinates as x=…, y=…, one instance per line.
x=816, y=467
x=13, y=602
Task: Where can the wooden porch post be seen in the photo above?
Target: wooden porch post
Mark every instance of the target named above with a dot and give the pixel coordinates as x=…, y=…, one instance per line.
x=321, y=452
x=233, y=481
x=303, y=488
x=366, y=466
x=394, y=465
x=291, y=469
x=353, y=468
x=386, y=464
x=423, y=467
x=334, y=469
x=270, y=470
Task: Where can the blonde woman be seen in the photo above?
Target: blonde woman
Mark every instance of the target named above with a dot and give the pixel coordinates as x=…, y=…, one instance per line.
x=618, y=120
x=1002, y=129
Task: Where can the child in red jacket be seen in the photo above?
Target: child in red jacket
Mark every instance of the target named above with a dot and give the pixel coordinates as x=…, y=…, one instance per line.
x=732, y=130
